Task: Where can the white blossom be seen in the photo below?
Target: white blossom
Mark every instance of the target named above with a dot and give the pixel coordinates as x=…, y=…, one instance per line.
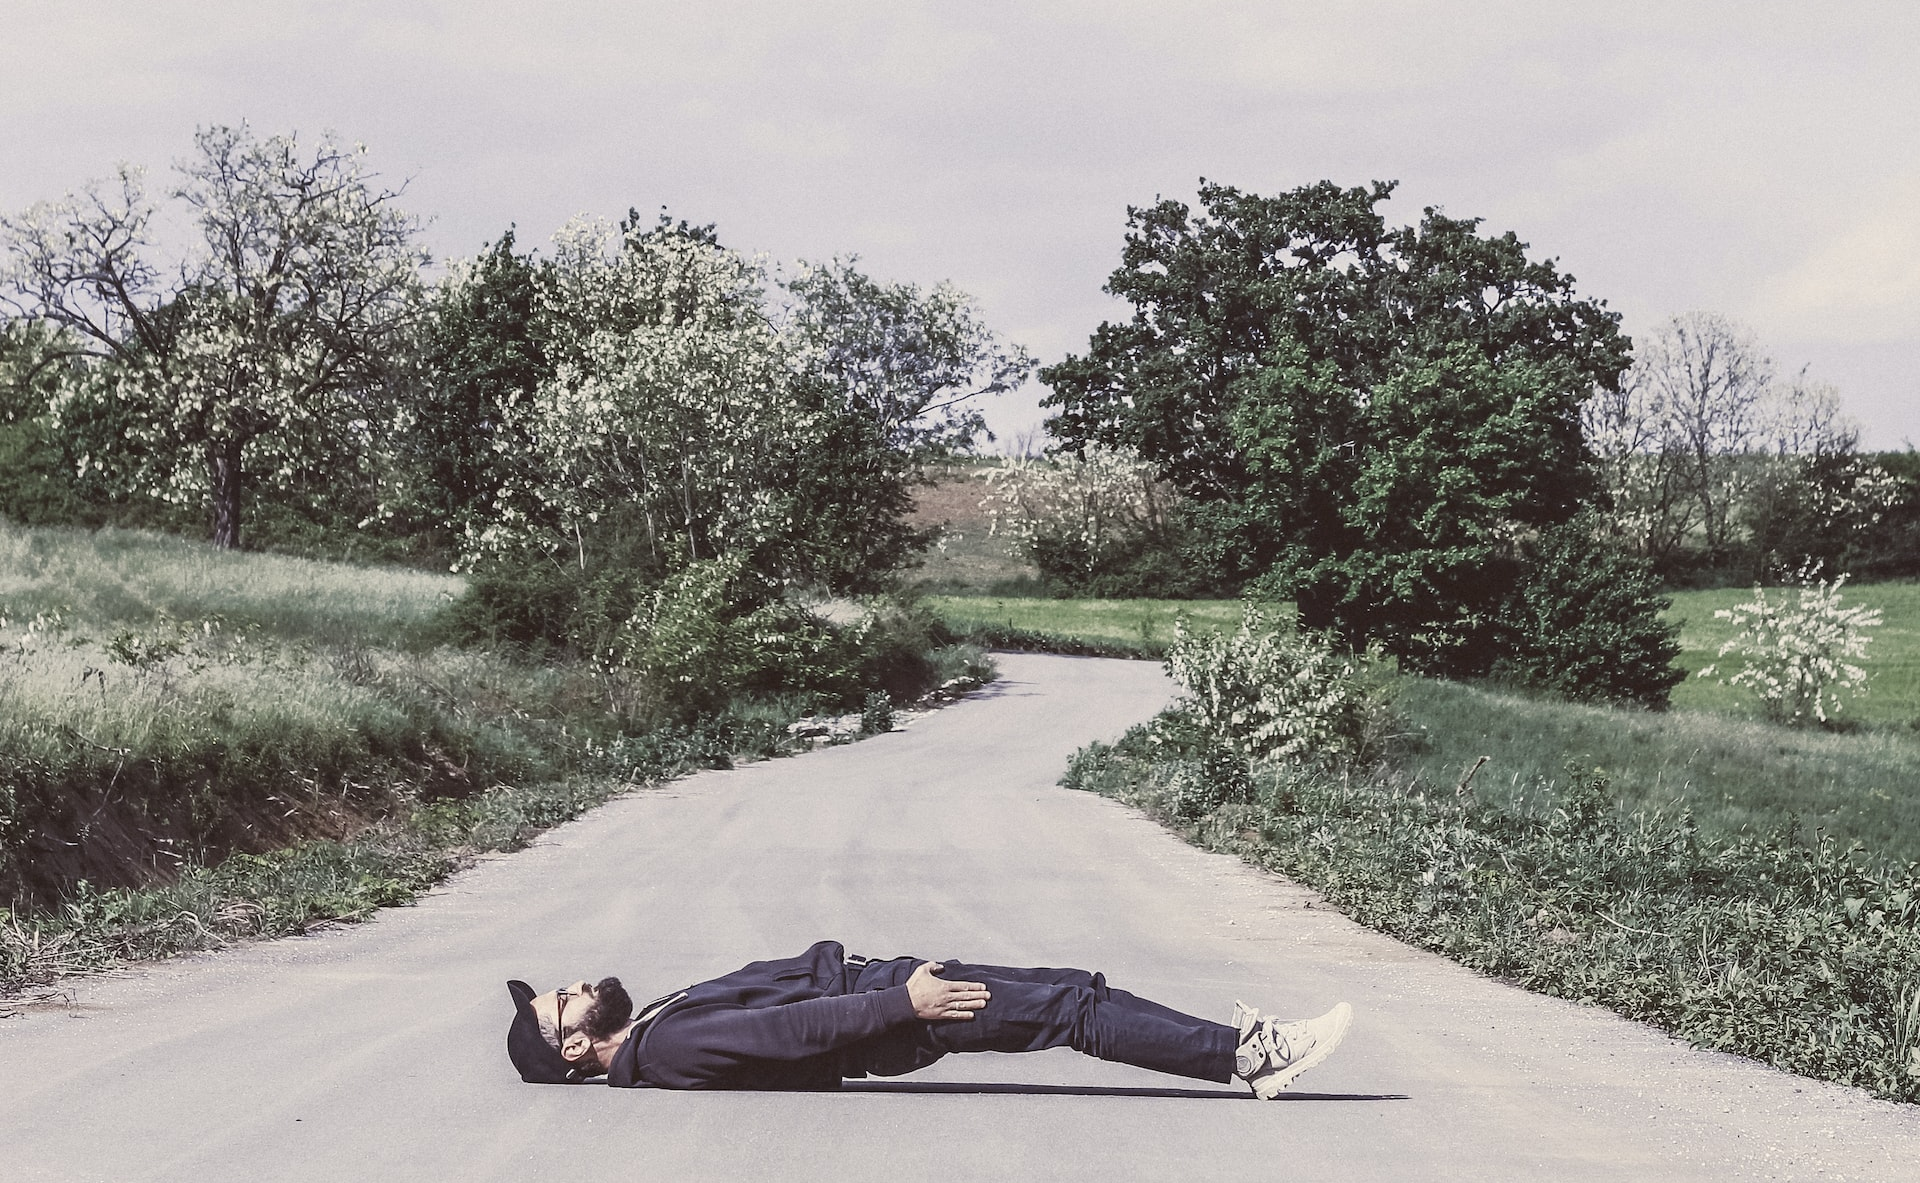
x=1800, y=653
x=1094, y=498
x=1270, y=694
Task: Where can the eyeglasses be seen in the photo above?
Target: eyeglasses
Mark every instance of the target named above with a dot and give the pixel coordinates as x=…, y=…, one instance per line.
x=560, y=997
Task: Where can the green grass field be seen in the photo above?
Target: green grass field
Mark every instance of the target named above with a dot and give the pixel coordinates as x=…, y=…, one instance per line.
x=1893, y=656
x=1733, y=773
x=135, y=578
x=1143, y=623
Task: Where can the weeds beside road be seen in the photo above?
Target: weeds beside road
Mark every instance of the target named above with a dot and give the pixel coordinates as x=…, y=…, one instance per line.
x=1805, y=957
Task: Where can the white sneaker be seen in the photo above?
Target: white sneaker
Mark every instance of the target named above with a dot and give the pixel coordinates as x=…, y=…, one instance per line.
x=1271, y=1053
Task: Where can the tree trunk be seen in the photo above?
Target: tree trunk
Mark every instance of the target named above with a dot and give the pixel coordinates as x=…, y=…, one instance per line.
x=223, y=472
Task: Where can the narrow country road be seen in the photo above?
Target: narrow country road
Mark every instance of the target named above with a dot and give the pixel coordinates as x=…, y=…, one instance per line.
x=375, y=1053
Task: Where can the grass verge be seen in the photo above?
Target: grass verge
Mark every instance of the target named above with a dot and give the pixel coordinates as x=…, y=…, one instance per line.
x=320, y=882
x=1805, y=957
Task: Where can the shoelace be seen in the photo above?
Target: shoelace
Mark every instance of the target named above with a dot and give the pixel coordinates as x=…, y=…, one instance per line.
x=1282, y=1046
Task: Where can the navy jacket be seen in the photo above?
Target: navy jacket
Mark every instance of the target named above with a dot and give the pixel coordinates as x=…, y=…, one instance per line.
x=770, y=1025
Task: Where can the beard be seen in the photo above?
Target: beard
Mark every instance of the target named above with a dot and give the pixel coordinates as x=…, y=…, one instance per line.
x=612, y=1009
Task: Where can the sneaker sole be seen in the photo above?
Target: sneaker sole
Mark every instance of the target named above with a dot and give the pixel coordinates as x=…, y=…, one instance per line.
x=1271, y=1086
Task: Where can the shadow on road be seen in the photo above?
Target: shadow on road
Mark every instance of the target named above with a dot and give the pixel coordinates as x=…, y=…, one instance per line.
x=1079, y=1090
x=1002, y=687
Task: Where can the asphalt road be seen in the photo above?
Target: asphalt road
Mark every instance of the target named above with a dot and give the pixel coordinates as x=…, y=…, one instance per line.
x=375, y=1052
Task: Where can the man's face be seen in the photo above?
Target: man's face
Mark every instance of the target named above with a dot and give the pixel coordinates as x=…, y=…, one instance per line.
x=583, y=1008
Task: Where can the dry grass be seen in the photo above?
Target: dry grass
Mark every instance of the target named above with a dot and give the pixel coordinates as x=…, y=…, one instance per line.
x=968, y=559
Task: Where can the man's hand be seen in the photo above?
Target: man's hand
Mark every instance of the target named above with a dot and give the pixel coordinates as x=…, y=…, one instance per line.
x=936, y=998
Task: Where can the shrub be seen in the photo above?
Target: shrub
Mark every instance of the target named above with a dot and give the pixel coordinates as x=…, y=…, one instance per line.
x=961, y=666
x=708, y=634
x=1195, y=788
x=1799, y=656
x=700, y=638
x=1160, y=566
x=537, y=605
x=876, y=716
x=896, y=641
x=1100, y=524
x=1272, y=695
x=1584, y=623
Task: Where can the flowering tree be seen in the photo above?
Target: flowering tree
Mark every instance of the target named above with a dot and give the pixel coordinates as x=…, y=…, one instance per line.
x=255, y=354
x=1700, y=428
x=1799, y=656
x=668, y=421
x=688, y=413
x=1093, y=498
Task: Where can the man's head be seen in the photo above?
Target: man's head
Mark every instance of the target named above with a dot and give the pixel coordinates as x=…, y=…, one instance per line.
x=555, y=1038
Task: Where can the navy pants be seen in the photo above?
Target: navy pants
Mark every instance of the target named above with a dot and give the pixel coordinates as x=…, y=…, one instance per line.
x=1032, y=1009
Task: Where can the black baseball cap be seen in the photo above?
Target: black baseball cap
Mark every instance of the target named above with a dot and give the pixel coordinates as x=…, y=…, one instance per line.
x=538, y=1061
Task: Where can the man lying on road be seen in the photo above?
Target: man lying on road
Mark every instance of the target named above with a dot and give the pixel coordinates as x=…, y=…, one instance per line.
x=810, y=1021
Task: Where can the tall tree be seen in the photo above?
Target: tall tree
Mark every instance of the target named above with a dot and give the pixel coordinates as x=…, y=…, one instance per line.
x=916, y=363
x=900, y=373
x=1702, y=436
x=685, y=416
x=482, y=351
x=1370, y=417
x=257, y=355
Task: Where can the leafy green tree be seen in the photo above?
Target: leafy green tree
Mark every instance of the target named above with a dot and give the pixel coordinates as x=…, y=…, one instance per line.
x=259, y=355
x=482, y=350
x=38, y=478
x=897, y=374
x=1367, y=419
x=914, y=363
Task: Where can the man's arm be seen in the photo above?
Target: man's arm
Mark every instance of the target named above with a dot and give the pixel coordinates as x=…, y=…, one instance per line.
x=696, y=1047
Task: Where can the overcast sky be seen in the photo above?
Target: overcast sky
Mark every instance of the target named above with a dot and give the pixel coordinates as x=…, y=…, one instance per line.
x=1760, y=160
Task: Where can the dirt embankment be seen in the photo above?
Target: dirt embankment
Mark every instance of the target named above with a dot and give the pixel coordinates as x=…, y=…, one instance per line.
x=968, y=557
x=134, y=823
